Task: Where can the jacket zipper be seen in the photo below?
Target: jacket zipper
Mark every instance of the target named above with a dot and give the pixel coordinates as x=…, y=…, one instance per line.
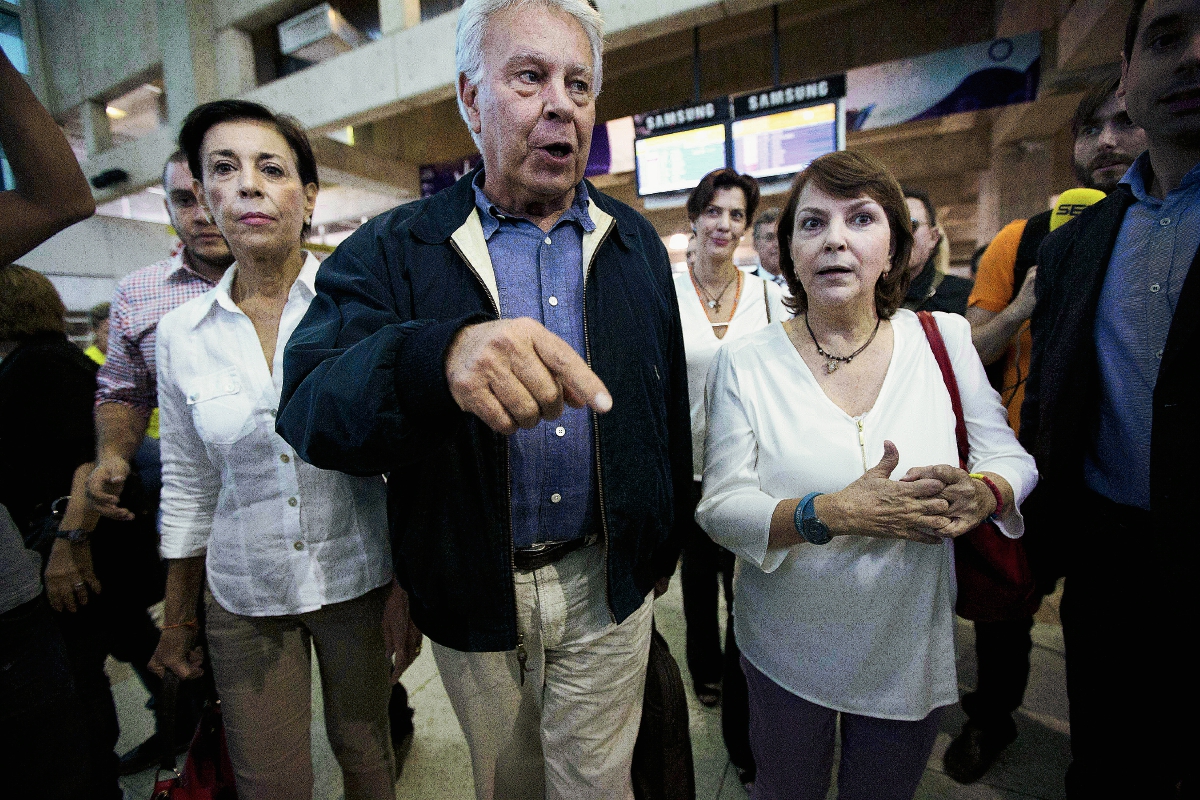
x=512, y=555
x=587, y=350
x=862, y=445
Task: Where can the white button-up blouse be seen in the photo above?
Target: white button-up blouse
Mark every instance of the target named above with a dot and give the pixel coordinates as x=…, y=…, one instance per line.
x=281, y=536
x=860, y=625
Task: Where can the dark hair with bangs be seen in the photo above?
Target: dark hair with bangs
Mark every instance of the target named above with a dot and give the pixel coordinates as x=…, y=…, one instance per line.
x=29, y=304
x=847, y=175
x=1131, y=27
x=723, y=178
x=204, y=117
x=1097, y=96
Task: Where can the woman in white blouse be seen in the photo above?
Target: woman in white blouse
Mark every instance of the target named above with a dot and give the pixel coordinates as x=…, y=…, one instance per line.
x=717, y=303
x=296, y=557
x=846, y=586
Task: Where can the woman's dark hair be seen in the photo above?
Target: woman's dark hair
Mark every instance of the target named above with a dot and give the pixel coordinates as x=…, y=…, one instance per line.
x=847, y=176
x=703, y=194
x=204, y=117
x=29, y=305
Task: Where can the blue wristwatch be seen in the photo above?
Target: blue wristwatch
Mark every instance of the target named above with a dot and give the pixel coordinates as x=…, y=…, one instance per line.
x=807, y=525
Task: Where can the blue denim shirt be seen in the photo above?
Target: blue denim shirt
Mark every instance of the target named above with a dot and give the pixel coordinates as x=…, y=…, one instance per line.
x=540, y=275
x=1150, y=260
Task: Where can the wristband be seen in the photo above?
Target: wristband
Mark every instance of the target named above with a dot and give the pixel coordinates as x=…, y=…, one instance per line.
x=989, y=483
x=191, y=623
x=73, y=535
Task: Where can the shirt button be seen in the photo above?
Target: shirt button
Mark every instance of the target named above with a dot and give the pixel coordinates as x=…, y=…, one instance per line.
x=1154, y=287
x=1159, y=355
x=284, y=458
x=556, y=498
x=299, y=545
x=548, y=240
x=560, y=431
x=1165, y=221
x=293, y=502
x=553, y=300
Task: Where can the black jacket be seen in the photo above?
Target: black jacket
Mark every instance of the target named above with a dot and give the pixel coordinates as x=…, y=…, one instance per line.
x=365, y=392
x=47, y=387
x=1061, y=409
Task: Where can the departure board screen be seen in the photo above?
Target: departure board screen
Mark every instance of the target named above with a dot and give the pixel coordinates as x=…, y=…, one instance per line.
x=785, y=142
x=677, y=161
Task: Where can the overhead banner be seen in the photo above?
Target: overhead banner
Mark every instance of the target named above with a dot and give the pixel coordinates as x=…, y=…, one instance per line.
x=987, y=75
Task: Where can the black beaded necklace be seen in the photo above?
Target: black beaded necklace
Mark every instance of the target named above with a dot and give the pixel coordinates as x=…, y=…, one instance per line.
x=832, y=362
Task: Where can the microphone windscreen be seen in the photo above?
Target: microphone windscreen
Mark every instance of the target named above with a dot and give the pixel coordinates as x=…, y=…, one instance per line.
x=1071, y=204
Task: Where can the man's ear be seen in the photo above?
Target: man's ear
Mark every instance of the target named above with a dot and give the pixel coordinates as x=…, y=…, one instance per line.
x=469, y=94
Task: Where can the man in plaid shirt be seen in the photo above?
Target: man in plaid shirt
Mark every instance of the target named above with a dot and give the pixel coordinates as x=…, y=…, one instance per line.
x=126, y=386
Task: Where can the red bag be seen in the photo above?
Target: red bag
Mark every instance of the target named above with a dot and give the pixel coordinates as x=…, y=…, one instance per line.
x=207, y=772
x=995, y=582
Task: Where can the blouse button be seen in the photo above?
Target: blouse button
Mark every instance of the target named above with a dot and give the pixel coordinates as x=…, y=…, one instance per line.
x=299, y=545
x=284, y=458
x=293, y=502
x=192, y=397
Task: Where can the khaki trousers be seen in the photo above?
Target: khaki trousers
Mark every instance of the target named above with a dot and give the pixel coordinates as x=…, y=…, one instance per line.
x=263, y=674
x=568, y=731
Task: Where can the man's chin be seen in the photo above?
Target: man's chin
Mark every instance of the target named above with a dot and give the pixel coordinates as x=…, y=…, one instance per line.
x=1106, y=179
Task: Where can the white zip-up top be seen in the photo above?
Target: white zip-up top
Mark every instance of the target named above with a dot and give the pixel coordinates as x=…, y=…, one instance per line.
x=860, y=625
x=281, y=536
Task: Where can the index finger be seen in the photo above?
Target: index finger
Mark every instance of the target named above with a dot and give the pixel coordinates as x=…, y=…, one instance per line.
x=581, y=386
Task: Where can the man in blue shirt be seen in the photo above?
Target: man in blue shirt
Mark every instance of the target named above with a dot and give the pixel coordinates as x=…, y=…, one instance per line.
x=510, y=352
x=1113, y=417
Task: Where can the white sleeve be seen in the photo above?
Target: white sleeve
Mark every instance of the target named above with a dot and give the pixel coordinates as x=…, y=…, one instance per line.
x=779, y=312
x=734, y=511
x=191, y=483
x=994, y=446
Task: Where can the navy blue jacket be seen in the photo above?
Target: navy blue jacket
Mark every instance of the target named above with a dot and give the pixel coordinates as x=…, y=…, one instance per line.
x=365, y=392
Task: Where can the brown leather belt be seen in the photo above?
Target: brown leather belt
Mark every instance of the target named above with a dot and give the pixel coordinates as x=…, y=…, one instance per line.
x=545, y=553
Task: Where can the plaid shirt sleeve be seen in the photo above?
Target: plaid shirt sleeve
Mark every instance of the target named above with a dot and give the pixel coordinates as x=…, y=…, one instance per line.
x=125, y=377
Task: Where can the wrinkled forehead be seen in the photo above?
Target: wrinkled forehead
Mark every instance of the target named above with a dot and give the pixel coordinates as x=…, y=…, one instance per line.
x=535, y=33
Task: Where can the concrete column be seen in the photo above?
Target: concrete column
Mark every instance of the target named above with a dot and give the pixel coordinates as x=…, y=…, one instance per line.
x=1017, y=186
x=235, y=63
x=398, y=15
x=97, y=133
x=185, y=37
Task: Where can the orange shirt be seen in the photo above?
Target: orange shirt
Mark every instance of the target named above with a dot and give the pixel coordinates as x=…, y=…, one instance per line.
x=993, y=292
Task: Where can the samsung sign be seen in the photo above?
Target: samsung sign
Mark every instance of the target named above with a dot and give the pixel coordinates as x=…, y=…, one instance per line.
x=797, y=94
x=690, y=116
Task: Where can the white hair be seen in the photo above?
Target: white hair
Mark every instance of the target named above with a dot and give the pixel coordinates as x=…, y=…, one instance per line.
x=473, y=20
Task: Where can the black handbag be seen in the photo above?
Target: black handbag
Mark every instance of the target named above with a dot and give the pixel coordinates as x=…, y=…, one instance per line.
x=662, y=756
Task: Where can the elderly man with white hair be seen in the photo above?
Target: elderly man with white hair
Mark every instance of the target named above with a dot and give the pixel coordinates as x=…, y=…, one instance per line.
x=510, y=352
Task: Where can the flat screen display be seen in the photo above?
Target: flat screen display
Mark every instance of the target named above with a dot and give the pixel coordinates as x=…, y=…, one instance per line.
x=676, y=162
x=786, y=142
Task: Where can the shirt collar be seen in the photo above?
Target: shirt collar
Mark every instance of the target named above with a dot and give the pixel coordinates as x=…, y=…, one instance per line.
x=1135, y=177
x=179, y=269
x=220, y=295
x=490, y=215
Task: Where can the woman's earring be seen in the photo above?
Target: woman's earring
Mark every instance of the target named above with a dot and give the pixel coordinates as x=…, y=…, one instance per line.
x=308, y=220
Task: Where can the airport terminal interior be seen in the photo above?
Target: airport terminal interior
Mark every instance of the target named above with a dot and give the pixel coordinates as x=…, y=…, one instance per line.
x=970, y=101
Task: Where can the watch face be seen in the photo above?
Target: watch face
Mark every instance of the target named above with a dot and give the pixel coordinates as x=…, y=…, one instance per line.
x=816, y=532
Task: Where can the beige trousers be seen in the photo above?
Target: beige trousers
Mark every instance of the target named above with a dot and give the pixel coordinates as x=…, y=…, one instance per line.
x=568, y=731
x=263, y=674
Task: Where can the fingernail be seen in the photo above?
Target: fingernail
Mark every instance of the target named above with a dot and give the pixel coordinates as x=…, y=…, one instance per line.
x=602, y=402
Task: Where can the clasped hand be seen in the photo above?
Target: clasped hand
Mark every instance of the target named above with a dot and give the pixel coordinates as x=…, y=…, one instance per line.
x=928, y=504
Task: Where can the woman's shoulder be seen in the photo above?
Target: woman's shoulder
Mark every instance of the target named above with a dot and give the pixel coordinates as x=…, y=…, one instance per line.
x=755, y=347
x=186, y=316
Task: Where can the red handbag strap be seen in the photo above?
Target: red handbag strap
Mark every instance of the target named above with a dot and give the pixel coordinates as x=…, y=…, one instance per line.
x=938, y=346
